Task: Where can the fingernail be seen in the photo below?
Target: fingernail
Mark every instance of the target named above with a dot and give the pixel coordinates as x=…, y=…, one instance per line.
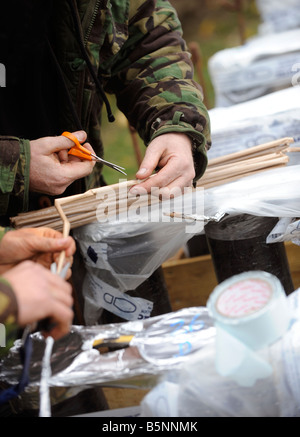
x=134, y=191
x=142, y=171
x=137, y=191
x=62, y=241
x=80, y=135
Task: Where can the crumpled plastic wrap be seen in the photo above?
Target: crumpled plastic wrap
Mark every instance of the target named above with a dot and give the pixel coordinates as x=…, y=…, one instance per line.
x=278, y=16
x=197, y=390
x=272, y=193
x=258, y=121
x=287, y=229
x=156, y=344
x=263, y=65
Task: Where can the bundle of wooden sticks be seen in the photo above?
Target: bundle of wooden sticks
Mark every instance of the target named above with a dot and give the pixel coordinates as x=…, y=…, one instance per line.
x=247, y=162
x=86, y=208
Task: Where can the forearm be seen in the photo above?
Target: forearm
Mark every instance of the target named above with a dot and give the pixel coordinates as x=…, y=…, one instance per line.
x=155, y=87
x=14, y=167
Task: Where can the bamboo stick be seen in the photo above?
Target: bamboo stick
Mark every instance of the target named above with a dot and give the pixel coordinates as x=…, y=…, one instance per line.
x=226, y=180
x=246, y=162
x=281, y=143
x=242, y=169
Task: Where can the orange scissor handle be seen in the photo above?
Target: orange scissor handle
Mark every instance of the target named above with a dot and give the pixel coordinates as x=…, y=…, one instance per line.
x=77, y=150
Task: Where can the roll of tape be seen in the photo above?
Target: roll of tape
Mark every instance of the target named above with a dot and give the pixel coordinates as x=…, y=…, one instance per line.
x=252, y=307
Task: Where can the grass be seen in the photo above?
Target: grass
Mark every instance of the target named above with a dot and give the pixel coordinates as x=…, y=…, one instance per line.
x=219, y=30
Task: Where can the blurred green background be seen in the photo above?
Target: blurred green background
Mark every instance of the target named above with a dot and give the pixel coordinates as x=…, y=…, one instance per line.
x=213, y=25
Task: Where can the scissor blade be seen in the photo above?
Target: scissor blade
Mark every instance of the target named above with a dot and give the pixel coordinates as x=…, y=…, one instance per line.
x=119, y=170
x=114, y=166
x=110, y=164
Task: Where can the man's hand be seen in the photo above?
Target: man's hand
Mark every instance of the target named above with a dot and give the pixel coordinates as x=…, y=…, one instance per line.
x=52, y=170
x=42, y=245
x=41, y=294
x=172, y=153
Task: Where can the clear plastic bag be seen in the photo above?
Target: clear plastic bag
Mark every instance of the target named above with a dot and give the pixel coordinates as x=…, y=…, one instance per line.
x=272, y=193
x=121, y=254
x=197, y=390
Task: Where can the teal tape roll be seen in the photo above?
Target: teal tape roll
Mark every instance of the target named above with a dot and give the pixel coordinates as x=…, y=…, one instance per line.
x=251, y=312
x=252, y=307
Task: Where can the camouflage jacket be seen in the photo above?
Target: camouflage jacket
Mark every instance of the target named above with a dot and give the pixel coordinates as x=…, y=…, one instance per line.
x=138, y=53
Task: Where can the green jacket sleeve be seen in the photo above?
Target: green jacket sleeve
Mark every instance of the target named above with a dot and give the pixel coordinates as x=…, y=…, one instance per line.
x=14, y=173
x=152, y=78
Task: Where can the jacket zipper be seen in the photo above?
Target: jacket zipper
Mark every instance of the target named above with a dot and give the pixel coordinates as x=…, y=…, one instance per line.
x=93, y=19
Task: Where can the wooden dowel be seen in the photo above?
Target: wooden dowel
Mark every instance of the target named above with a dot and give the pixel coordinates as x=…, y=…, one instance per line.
x=241, y=169
x=246, y=152
x=212, y=184
x=235, y=164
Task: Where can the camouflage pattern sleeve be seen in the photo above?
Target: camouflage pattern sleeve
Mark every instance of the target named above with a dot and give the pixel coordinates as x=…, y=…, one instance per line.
x=14, y=179
x=153, y=79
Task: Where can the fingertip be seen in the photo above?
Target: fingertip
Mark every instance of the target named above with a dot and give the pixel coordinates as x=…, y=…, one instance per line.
x=81, y=135
x=142, y=172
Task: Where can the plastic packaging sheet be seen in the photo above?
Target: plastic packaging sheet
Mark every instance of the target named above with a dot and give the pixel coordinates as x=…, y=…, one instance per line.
x=278, y=16
x=263, y=65
x=272, y=193
x=122, y=253
x=238, y=127
x=119, y=256
x=153, y=346
x=286, y=229
x=197, y=390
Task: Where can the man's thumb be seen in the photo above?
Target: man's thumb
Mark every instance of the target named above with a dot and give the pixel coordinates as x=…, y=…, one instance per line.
x=63, y=143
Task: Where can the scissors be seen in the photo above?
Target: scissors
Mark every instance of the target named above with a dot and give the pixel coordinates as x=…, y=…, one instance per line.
x=83, y=153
